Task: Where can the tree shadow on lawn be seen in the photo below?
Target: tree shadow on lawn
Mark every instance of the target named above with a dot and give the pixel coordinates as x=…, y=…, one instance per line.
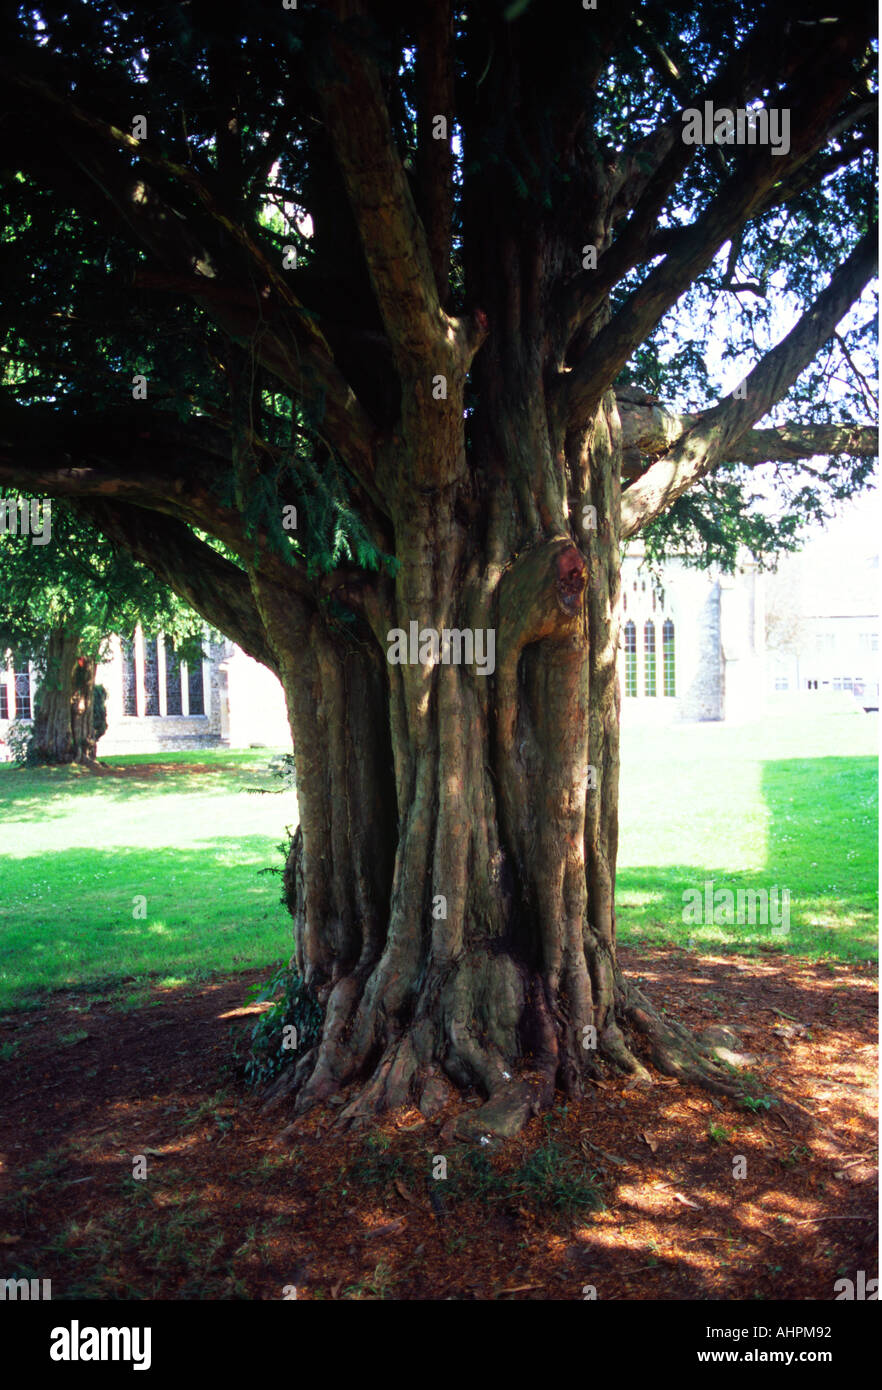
x=821, y=847
x=41, y=794
x=824, y=921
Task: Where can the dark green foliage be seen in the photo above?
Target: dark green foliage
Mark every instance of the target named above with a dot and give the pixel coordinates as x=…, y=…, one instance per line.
x=709, y=525
x=81, y=581
x=80, y=322
x=99, y=711
x=294, y=1007
x=329, y=531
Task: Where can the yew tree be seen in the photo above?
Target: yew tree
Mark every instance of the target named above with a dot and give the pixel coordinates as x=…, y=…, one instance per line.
x=354, y=320
x=62, y=597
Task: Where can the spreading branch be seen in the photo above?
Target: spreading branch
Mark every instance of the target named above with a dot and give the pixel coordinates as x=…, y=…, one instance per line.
x=396, y=246
x=650, y=429
x=244, y=294
x=649, y=174
x=579, y=390
x=218, y=590
x=132, y=454
x=719, y=433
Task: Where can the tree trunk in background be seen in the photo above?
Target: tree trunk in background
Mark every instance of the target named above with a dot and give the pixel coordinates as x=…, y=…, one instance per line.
x=53, y=740
x=82, y=710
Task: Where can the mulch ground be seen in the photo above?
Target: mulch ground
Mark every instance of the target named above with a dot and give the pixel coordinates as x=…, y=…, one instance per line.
x=235, y=1206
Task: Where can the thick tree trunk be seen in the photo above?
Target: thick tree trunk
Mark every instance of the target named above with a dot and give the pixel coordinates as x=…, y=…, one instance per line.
x=452, y=878
x=53, y=740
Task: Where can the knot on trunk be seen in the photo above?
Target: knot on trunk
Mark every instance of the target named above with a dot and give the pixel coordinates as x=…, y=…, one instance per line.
x=572, y=576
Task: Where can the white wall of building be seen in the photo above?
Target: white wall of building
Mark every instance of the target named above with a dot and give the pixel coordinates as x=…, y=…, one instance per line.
x=255, y=708
x=719, y=631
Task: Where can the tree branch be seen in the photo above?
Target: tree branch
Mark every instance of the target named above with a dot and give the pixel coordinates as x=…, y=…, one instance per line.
x=251, y=302
x=823, y=83
x=130, y=454
x=721, y=429
x=395, y=244
x=650, y=429
x=654, y=167
x=790, y=443
x=434, y=71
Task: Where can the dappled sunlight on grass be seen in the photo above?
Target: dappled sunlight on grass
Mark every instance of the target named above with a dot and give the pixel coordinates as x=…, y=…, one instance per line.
x=188, y=858
x=785, y=803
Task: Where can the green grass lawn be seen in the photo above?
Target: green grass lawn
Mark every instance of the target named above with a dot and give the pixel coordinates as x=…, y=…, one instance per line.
x=791, y=802
x=79, y=853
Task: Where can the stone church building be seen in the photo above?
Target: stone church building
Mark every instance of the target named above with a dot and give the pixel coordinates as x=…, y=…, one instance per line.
x=693, y=642
x=155, y=703
x=696, y=646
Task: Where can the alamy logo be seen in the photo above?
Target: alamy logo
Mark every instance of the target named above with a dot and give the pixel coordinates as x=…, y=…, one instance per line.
x=726, y=127
x=861, y=1290
x=721, y=907
x=28, y=1290
x=451, y=646
x=20, y=518
x=77, y=1343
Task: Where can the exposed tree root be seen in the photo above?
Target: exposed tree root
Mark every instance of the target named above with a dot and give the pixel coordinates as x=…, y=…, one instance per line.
x=675, y=1051
x=407, y=1073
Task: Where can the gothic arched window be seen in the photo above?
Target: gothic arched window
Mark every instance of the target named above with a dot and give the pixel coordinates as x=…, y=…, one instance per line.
x=668, y=656
x=22, y=687
x=649, y=658
x=195, y=689
x=173, y=697
x=151, y=676
x=129, y=677
x=630, y=658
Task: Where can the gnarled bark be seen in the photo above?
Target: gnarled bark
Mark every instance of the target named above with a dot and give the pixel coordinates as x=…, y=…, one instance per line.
x=452, y=879
x=53, y=740
x=64, y=727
